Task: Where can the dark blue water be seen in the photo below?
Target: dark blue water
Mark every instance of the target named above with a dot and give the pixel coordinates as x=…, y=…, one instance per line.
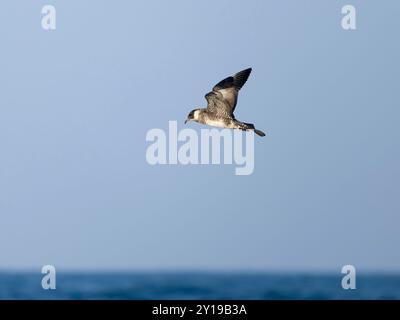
x=197, y=286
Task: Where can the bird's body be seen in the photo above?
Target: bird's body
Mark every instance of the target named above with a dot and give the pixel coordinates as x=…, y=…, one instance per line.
x=222, y=102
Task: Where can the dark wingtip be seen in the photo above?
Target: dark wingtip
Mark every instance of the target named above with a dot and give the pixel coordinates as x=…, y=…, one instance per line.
x=247, y=71
x=241, y=77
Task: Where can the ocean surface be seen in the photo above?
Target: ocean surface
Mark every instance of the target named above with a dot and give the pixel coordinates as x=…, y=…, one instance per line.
x=196, y=285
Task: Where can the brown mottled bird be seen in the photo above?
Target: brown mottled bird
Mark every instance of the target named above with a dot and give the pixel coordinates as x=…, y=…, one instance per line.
x=221, y=103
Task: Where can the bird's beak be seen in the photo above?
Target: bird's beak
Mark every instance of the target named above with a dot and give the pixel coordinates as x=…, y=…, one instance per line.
x=186, y=121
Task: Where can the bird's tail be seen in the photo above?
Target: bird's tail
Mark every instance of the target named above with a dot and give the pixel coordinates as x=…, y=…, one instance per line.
x=250, y=126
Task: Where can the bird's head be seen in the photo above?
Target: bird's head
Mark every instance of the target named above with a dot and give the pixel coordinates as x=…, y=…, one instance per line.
x=193, y=115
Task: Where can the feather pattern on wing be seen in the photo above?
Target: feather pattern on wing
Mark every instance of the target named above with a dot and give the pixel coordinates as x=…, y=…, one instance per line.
x=222, y=99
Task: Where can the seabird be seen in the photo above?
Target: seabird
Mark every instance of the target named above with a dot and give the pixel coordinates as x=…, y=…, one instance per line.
x=221, y=103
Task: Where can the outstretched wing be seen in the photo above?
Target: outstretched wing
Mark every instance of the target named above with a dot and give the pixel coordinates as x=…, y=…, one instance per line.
x=223, y=98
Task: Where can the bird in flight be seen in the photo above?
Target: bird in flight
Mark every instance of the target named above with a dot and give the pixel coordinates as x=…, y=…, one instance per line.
x=221, y=103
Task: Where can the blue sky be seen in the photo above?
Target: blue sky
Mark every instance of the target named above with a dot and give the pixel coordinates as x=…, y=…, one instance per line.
x=76, y=104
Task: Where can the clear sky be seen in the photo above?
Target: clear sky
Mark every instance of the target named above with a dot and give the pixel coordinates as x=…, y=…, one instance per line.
x=76, y=104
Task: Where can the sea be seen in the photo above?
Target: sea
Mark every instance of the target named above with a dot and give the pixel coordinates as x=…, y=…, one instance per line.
x=197, y=285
